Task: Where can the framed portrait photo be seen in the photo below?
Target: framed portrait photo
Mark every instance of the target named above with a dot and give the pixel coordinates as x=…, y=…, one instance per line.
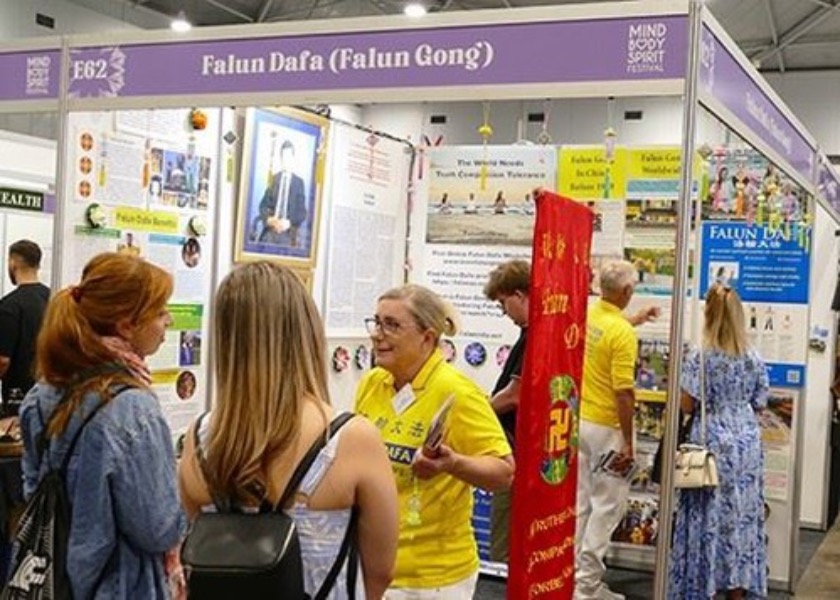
x=280, y=186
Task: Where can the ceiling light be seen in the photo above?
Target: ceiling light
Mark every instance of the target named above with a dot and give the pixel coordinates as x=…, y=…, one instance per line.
x=180, y=23
x=414, y=9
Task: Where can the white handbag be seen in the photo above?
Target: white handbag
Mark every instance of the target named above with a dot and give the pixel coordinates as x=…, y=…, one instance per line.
x=695, y=466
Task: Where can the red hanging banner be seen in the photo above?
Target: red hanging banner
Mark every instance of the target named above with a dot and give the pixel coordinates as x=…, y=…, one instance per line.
x=542, y=531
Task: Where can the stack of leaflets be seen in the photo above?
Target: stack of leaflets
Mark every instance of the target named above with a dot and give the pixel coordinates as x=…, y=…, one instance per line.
x=613, y=463
x=437, y=428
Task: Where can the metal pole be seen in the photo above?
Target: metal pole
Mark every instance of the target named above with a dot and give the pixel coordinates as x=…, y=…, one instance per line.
x=59, y=217
x=669, y=441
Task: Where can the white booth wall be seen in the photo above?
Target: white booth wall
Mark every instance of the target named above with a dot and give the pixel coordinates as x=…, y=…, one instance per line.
x=28, y=163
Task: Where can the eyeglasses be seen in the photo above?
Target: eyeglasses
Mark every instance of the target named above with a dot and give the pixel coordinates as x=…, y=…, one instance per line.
x=386, y=326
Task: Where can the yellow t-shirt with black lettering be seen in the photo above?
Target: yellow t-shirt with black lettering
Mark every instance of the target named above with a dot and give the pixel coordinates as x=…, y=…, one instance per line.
x=609, y=363
x=441, y=549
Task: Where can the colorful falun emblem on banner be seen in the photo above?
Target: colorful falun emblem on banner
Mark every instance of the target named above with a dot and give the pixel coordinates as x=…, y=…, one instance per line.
x=561, y=444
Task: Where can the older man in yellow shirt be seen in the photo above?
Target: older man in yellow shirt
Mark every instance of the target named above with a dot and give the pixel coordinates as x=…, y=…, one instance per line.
x=606, y=424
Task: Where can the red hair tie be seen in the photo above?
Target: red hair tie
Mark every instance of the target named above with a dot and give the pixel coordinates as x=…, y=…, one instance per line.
x=76, y=293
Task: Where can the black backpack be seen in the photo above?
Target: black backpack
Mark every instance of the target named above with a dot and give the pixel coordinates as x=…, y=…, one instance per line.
x=256, y=555
x=43, y=535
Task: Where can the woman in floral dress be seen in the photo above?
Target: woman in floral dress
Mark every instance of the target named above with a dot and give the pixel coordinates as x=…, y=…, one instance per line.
x=719, y=543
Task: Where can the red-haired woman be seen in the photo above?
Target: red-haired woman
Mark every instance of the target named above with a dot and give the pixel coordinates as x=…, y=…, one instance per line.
x=121, y=475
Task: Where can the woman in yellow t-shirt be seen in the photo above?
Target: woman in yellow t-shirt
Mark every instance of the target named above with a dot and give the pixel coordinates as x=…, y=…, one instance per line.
x=436, y=556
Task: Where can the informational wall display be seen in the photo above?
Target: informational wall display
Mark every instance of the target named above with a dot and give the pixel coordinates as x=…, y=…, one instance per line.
x=756, y=239
x=479, y=212
x=777, y=437
x=764, y=264
x=136, y=189
x=368, y=216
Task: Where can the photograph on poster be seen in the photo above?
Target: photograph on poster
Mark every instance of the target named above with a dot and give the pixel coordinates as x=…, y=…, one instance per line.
x=654, y=267
x=185, y=385
x=191, y=252
x=775, y=421
x=479, y=195
x=724, y=273
x=280, y=190
x=640, y=522
x=648, y=420
x=178, y=178
x=651, y=213
x=129, y=244
x=189, y=353
x=483, y=217
x=652, y=367
x=645, y=455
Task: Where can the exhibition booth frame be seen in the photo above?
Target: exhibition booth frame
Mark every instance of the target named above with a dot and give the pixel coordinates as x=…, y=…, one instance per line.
x=599, y=50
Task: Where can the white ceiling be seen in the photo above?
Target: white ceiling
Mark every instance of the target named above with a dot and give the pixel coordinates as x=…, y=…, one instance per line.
x=780, y=35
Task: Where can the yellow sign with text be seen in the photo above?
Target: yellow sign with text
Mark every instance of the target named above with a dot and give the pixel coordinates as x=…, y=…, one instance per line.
x=585, y=174
x=147, y=220
x=653, y=163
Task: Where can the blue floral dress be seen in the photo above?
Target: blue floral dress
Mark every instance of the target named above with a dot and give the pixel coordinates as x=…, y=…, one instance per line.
x=719, y=541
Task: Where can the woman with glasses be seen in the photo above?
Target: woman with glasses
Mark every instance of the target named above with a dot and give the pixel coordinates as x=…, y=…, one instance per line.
x=410, y=387
x=719, y=533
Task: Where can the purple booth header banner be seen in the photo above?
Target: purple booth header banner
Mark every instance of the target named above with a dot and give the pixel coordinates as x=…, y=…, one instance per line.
x=725, y=80
x=631, y=49
x=31, y=75
x=828, y=184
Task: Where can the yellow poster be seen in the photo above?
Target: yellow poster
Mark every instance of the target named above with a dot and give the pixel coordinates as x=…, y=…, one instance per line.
x=585, y=174
x=146, y=220
x=653, y=163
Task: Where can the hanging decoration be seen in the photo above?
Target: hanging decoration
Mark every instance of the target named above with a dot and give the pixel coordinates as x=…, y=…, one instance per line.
x=544, y=138
x=198, y=119
x=371, y=140
x=610, y=135
x=485, y=131
x=427, y=143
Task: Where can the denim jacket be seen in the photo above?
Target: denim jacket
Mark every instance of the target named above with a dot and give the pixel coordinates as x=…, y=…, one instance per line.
x=123, y=489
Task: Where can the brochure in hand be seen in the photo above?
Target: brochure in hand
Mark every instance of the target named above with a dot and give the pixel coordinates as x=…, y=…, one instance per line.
x=437, y=428
x=612, y=463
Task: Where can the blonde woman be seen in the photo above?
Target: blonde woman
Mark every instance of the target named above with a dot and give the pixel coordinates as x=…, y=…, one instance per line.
x=437, y=557
x=271, y=405
x=719, y=533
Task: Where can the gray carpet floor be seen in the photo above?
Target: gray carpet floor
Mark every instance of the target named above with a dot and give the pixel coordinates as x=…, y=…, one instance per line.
x=638, y=585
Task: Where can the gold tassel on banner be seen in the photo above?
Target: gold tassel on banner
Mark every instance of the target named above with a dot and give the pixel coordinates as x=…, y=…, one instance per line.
x=485, y=131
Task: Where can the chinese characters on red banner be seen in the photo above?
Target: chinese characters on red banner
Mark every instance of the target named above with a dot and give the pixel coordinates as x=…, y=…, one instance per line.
x=542, y=532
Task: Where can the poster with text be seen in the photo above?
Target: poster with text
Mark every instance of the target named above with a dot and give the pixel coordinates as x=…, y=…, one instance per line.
x=141, y=185
x=476, y=210
x=369, y=205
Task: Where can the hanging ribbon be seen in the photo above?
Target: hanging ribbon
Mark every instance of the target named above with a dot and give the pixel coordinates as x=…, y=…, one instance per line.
x=421, y=150
x=371, y=140
x=485, y=131
x=610, y=136
x=544, y=137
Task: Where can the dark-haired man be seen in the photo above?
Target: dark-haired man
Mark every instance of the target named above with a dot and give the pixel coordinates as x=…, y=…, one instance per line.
x=283, y=206
x=21, y=313
x=508, y=285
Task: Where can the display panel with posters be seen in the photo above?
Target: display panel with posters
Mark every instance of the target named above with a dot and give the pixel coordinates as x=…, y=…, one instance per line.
x=142, y=183
x=280, y=188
